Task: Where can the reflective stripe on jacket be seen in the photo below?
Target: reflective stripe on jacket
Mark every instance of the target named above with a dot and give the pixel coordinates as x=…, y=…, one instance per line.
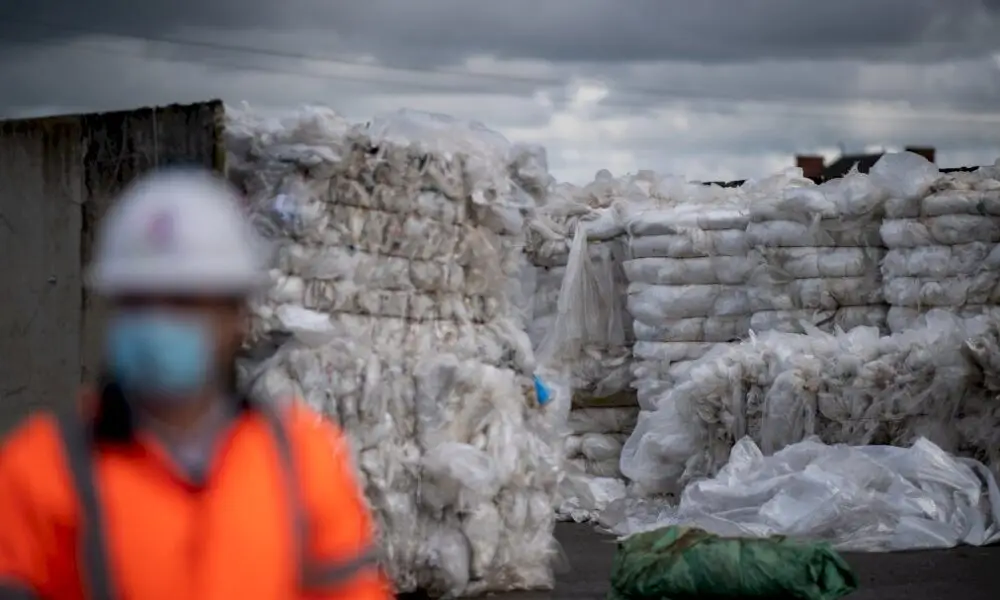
x=280, y=515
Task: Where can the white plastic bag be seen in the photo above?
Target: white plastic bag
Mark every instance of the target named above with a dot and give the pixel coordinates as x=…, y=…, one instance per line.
x=904, y=174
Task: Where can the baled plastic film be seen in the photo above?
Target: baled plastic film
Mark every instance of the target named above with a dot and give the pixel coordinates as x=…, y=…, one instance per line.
x=867, y=498
x=398, y=309
x=854, y=387
x=904, y=175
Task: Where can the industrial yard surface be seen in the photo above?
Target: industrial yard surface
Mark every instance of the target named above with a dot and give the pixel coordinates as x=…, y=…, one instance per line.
x=960, y=574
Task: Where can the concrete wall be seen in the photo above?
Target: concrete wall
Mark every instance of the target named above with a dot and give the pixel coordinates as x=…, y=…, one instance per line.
x=40, y=226
x=57, y=178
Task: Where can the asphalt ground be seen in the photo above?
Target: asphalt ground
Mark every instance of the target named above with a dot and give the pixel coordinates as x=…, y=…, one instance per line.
x=958, y=574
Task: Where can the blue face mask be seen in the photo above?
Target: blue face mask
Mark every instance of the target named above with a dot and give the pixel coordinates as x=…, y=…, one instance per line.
x=160, y=356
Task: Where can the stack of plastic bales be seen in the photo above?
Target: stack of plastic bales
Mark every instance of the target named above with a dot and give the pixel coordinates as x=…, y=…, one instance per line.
x=687, y=270
x=816, y=250
x=580, y=329
x=858, y=387
x=942, y=231
x=593, y=478
x=391, y=291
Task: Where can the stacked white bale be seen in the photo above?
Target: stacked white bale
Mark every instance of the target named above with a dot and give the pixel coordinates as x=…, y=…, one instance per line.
x=593, y=449
x=687, y=270
x=817, y=250
x=392, y=278
x=581, y=324
x=580, y=329
x=942, y=231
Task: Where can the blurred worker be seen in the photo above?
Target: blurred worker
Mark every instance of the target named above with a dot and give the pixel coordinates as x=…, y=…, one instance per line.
x=164, y=482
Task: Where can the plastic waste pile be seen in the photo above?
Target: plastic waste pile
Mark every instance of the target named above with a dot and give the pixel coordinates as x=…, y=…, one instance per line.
x=858, y=498
x=578, y=318
x=592, y=479
x=854, y=387
x=398, y=246
x=816, y=250
x=689, y=270
x=580, y=326
x=942, y=232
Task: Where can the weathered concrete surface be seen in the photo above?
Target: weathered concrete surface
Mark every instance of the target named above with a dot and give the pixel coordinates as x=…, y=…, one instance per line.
x=57, y=178
x=959, y=574
x=40, y=252
x=117, y=148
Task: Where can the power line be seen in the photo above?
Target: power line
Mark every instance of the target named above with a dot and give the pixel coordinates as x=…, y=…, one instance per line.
x=274, y=53
x=783, y=109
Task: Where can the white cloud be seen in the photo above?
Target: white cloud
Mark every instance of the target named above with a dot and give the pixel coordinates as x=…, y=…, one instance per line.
x=726, y=121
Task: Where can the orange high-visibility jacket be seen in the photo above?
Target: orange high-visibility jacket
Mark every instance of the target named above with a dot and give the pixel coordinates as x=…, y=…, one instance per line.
x=92, y=510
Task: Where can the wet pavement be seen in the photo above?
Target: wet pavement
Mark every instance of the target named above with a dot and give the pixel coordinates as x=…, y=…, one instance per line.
x=959, y=574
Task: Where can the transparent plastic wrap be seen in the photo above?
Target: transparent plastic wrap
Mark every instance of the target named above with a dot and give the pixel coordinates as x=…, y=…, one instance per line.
x=691, y=243
x=869, y=498
x=487, y=157
x=397, y=308
x=946, y=230
x=482, y=451
x=949, y=200
x=694, y=329
x=589, y=309
x=784, y=264
x=855, y=387
x=904, y=175
x=652, y=304
x=853, y=197
x=802, y=321
x=814, y=234
x=915, y=292
x=730, y=270
x=901, y=318
x=939, y=262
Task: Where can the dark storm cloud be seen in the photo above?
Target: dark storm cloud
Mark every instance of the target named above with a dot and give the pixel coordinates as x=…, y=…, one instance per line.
x=446, y=31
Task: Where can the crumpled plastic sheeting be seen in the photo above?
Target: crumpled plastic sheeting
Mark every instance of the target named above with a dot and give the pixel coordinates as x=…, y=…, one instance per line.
x=855, y=387
x=869, y=498
x=393, y=292
x=943, y=240
x=578, y=321
x=457, y=464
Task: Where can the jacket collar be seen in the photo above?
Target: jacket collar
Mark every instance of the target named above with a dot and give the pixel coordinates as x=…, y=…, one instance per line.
x=112, y=417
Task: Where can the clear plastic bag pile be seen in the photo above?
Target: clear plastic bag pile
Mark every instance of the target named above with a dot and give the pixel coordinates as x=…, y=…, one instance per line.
x=868, y=498
x=854, y=387
x=935, y=382
x=398, y=252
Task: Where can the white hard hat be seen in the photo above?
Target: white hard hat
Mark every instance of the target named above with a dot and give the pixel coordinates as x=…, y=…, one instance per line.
x=177, y=232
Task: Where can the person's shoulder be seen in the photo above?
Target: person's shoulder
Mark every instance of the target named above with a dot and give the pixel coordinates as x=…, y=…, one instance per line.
x=32, y=443
x=36, y=433
x=38, y=440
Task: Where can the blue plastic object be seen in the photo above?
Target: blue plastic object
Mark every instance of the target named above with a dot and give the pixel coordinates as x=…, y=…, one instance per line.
x=542, y=392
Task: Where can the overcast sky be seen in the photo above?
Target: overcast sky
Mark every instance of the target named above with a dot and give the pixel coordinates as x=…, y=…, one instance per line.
x=713, y=89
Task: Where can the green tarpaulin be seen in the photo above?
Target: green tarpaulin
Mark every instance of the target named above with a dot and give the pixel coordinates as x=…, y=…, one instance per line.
x=680, y=562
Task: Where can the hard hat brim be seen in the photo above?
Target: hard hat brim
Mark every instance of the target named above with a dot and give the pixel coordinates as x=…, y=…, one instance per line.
x=157, y=280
